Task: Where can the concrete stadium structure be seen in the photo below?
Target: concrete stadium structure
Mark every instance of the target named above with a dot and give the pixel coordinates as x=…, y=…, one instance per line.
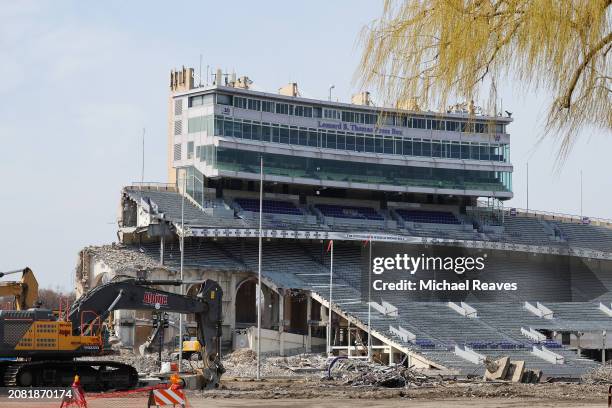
x=403, y=180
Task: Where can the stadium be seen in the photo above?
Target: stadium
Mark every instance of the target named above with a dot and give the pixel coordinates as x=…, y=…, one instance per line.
x=376, y=182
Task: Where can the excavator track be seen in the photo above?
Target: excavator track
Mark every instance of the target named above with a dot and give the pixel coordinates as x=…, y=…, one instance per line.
x=97, y=375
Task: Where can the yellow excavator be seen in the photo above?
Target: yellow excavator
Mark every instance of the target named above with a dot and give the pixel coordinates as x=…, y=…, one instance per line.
x=24, y=291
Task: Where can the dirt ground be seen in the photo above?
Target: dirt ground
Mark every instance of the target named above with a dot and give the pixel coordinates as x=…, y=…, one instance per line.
x=309, y=393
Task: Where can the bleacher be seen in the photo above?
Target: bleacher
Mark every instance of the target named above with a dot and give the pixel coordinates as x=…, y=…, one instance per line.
x=345, y=211
x=427, y=217
x=285, y=214
x=586, y=235
x=526, y=231
x=268, y=206
x=495, y=332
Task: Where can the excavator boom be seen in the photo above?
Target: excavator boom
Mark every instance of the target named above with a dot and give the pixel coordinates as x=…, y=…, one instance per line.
x=135, y=294
x=25, y=291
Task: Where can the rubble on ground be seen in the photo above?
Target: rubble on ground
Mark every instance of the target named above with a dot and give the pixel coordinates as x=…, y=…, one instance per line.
x=363, y=373
x=243, y=363
x=599, y=375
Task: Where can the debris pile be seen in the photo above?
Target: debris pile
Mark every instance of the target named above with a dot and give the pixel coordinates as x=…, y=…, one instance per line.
x=360, y=373
x=243, y=363
x=599, y=375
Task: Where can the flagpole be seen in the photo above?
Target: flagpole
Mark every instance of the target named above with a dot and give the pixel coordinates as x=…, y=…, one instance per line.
x=182, y=261
x=260, y=288
x=370, y=304
x=331, y=281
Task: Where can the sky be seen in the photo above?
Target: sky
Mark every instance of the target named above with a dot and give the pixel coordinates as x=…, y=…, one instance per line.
x=80, y=80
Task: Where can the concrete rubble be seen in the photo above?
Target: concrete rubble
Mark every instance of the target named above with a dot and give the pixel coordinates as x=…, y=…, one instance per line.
x=243, y=363
x=599, y=375
x=361, y=373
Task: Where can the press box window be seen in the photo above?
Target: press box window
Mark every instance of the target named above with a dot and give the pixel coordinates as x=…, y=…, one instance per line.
x=240, y=102
x=189, y=150
x=224, y=99
x=267, y=106
x=254, y=104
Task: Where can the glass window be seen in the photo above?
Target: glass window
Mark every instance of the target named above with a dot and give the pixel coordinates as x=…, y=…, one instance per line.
x=452, y=126
x=312, y=138
x=437, y=124
x=299, y=110
x=195, y=101
x=350, y=142
x=307, y=112
x=369, y=144
x=484, y=152
x=303, y=137
x=341, y=141
x=294, y=136
x=228, y=128
x=223, y=99
x=254, y=104
x=282, y=108
x=331, y=140
x=190, y=150
x=436, y=149
x=237, y=129
x=465, y=151
x=256, y=131
x=267, y=106
x=455, y=150
x=378, y=144
x=359, y=143
x=388, y=147
x=246, y=130
x=398, y=146
x=426, y=148
x=499, y=128
x=276, y=134
x=284, y=134
x=407, y=147
x=266, y=133
x=316, y=112
x=240, y=102
x=417, y=147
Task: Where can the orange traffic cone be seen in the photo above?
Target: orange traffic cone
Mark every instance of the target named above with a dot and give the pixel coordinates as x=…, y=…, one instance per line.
x=76, y=396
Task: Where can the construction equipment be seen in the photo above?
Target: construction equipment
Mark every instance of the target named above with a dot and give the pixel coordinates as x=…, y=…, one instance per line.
x=24, y=291
x=47, y=346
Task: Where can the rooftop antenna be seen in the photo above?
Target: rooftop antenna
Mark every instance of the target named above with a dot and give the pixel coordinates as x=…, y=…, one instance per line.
x=207, y=68
x=143, y=156
x=200, y=74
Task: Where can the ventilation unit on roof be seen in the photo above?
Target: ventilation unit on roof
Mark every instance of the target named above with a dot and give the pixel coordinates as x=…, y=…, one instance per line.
x=291, y=89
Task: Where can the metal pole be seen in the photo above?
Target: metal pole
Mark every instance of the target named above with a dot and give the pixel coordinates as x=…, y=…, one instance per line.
x=370, y=304
x=331, y=281
x=580, y=195
x=182, y=261
x=143, y=156
x=260, y=287
x=527, y=186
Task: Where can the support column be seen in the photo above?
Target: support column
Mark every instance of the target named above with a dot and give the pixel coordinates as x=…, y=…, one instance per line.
x=308, y=320
x=348, y=329
x=281, y=323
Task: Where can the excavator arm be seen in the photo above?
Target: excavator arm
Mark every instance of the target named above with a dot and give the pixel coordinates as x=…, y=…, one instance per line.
x=24, y=291
x=136, y=294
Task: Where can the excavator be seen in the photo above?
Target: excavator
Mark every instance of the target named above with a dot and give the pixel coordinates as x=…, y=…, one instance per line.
x=24, y=292
x=46, y=347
